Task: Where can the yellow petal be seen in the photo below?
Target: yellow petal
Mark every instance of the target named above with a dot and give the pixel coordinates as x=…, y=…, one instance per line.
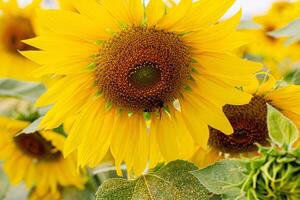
x=96, y=12
x=69, y=23
x=155, y=11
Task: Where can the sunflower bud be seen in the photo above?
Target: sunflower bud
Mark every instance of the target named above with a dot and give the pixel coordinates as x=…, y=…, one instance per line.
x=274, y=175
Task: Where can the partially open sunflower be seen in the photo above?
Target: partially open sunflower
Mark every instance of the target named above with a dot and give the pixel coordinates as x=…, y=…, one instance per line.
x=144, y=81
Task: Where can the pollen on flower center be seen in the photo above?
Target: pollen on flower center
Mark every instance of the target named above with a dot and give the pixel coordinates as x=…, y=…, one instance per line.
x=250, y=126
x=36, y=146
x=142, y=68
x=17, y=29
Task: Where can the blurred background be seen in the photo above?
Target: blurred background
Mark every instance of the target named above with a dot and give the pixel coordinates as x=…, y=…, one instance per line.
x=253, y=7
x=250, y=7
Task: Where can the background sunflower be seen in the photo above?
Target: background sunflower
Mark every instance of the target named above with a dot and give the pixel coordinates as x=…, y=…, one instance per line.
x=250, y=121
x=36, y=159
x=16, y=24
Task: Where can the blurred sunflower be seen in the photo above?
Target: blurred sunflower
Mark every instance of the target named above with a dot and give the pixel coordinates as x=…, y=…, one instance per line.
x=142, y=81
x=16, y=24
x=276, y=55
x=36, y=159
x=250, y=121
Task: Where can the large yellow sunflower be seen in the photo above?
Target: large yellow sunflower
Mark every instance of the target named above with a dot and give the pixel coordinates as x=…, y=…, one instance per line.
x=36, y=159
x=250, y=121
x=16, y=24
x=142, y=81
x=276, y=55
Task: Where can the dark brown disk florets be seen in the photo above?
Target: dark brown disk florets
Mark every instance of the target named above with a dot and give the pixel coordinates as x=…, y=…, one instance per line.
x=140, y=69
x=250, y=126
x=34, y=145
x=15, y=30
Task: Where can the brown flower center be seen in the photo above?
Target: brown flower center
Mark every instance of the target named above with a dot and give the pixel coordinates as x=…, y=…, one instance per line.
x=142, y=68
x=15, y=30
x=250, y=126
x=37, y=147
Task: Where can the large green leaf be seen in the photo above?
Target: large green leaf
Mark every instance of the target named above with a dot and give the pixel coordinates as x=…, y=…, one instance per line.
x=281, y=129
x=172, y=181
x=19, y=89
x=4, y=184
x=221, y=177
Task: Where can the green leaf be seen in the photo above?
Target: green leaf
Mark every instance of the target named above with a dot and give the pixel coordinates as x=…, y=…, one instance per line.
x=33, y=127
x=18, y=89
x=4, y=185
x=293, y=77
x=221, y=177
x=71, y=193
x=281, y=129
x=173, y=181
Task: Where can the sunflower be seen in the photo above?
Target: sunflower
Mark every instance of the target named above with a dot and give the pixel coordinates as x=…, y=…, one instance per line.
x=250, y=121
x=16, y=24
x=144, y=81
x=276, y=55
x=36, y=159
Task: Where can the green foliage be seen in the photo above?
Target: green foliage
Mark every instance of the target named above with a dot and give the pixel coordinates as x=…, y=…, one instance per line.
x=274, y=175
x=172, y=181
x=31, y=116
x=293, y=77
x=281, y=129
x=4, y=185
x=23, y=90
x=222, y=178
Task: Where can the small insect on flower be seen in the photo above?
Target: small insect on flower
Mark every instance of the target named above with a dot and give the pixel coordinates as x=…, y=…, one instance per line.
x=118, y=59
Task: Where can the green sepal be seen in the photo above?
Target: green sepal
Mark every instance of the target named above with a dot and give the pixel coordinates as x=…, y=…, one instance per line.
x=187, y=88
x=130, y=113
x=123, y=25
x=99, y=42
x=108, y=106
x=147, y=116
x=92, y=66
